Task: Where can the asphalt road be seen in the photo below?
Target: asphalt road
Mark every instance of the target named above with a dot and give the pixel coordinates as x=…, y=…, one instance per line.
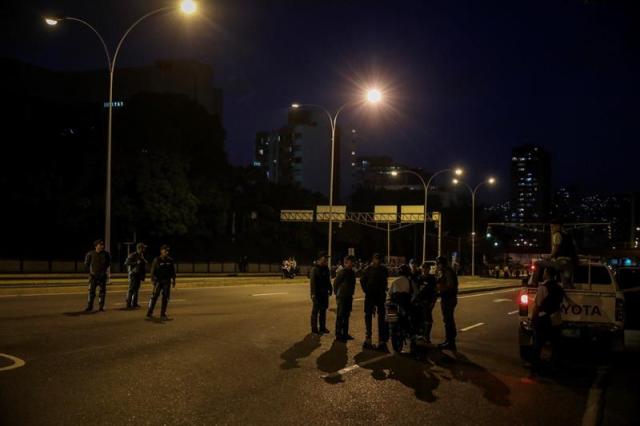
x=243, y=355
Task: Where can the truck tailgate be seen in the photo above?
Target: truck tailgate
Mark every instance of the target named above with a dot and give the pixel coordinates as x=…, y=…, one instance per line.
x=587, y=307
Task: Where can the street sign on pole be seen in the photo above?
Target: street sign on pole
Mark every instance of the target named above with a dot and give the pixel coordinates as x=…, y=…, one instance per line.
x=385, y=213
x=296, y=215
x=338, y=213
x=412, y=214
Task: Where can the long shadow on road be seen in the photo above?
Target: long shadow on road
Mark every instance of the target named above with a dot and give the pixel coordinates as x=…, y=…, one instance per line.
x=464, y=370
x=299, y=350
x=335, y=359
x=409, y=371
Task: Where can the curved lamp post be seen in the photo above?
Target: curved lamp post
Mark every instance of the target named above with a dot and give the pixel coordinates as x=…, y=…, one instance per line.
x=373, y=96
x=473, y=191
x=187, y=7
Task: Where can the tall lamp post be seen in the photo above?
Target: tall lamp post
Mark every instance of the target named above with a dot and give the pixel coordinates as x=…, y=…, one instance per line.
x=187, y=7
x=473, y=191
x=373, y=96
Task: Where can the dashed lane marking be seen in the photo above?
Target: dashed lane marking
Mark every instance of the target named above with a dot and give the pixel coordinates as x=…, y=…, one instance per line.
x=268, y=294
x=355, y=367
x=595, y=401
x=513, y=312
x=472, y=326
x=502, y=300
x=170, y=300
x=17, y=362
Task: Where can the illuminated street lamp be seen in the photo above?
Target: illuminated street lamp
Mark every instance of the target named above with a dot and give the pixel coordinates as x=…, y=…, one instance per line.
x=372, y=96
x=473, y=191
x=458, y=172
x=187, y=7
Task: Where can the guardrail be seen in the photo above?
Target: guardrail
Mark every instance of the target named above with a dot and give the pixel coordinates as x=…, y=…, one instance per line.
x=20, y=266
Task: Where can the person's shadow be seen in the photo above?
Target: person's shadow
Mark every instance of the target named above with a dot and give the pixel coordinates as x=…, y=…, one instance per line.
x=407, y=370
x=301, y=349
x=332, y=361
x=464, y=370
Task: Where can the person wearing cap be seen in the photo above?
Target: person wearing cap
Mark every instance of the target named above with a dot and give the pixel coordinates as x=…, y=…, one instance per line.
x=374, y=285
x=136, y=268
x=163, y=276
x=97, y=262
x=447, y=283
x=344, y=286
x=320, y=286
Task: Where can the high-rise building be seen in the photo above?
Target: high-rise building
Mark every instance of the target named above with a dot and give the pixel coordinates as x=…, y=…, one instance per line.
x=300, y=152
x=530, y=184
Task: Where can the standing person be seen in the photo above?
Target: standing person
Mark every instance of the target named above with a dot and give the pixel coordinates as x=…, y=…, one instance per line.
x=137, y=268
x=374, y=284
x=344, y=286
x=447, y=282
x=546, y=310
x=320, y=286
x=563, y=252
x=163, y=276
x=97, y=262
x=424, y=300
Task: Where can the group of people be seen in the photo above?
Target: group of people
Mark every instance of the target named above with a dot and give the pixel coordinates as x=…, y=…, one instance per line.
x=289, y=268
x=416, y=289
x=163, y=277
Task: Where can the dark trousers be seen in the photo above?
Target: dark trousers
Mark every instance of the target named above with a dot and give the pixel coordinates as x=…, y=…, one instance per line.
x=319, y=313
x=422, y=319
x=543, y=332
x=134, y=288
x=448, y=306
x=94, y=282
x=165, y=289
x=372, y=305
x=342, y=316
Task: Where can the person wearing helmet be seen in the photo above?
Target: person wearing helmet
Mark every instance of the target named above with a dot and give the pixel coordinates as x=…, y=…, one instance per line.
x=447, y=283
x=374, y=285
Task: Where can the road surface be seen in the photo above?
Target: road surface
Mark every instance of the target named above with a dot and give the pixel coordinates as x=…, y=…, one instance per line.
x=244, y=355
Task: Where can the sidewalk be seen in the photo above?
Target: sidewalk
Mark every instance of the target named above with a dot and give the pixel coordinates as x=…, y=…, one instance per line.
x=43, y=285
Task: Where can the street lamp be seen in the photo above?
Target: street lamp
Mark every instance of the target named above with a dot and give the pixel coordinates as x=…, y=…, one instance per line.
x=187, y=7
x=473, y=191
x=424, y=223
x=372, y=96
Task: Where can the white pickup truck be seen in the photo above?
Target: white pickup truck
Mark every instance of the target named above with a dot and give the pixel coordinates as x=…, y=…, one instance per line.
x=593, y=307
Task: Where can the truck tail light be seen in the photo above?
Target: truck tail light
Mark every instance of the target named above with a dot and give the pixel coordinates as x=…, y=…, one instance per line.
x=524, y=299
x=619, y=309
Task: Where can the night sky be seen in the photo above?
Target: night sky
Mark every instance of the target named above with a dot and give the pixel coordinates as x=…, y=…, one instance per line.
x=465, y=80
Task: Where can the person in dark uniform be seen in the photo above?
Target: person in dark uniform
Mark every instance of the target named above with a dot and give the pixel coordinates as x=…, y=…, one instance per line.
x=549, y=297
x=163, y=276
x=447, y=283
x=97, y=262
x=320, y=286
x=424, y=300
x=136, y=267
x=344, y=286
x=374, y=284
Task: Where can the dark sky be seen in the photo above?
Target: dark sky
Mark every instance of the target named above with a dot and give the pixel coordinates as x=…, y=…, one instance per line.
x=466, y=80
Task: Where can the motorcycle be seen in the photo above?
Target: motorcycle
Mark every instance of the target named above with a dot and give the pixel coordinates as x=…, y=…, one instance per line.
x=400, y=328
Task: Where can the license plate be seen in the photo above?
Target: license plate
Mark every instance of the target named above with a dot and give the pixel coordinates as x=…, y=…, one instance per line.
x=570, y=333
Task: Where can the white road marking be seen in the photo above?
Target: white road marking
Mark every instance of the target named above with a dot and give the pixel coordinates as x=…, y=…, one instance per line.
x=355, y=366
x=488, y=293
x=267, y=294
x=592, y=412
x=513, y=312
x=17, y=362
x=170, y=300
x=502, y=300
x=472, y=326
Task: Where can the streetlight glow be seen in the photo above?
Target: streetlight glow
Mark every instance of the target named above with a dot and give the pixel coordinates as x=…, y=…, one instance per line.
x=188, y=7
x=458, y=172
x=492, y=180
x=394, y=173
x=51, y=22
x=374, y=96
x=295, y=105
x=455, y=181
